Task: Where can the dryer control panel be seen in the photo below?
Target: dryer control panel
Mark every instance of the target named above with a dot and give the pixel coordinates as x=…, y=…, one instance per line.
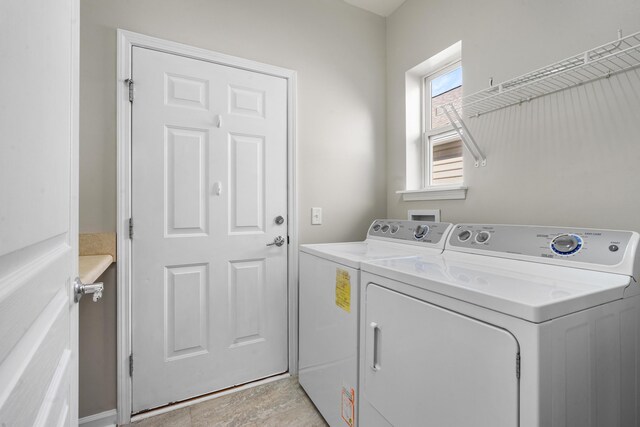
x=578, y=247
x=410, y=231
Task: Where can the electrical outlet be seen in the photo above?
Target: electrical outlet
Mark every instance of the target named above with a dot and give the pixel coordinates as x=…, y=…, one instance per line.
x=316, y=216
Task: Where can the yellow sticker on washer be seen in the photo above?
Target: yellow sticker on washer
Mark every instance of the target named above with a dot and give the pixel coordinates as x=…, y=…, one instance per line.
x=343, y=290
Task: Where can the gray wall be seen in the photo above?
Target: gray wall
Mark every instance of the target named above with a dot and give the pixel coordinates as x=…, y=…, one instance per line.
x=97, y=337
x=565, y=159
x=339, y=53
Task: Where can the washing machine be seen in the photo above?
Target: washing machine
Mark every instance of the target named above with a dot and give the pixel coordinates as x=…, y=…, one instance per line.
x=329, y=279
x=517, y=326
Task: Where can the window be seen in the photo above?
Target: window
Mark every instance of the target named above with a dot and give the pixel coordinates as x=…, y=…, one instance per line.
x=442, y=146
x=433, y=150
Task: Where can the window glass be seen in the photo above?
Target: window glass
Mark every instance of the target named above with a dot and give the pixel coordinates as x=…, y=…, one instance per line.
x=447, y=162
x=444, y=89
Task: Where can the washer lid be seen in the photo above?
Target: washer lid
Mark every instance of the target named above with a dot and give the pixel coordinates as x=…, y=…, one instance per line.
x=352, y=254
x=530, y=291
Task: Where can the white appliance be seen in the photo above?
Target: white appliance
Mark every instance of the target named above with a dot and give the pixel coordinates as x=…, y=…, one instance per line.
x=518, y=326
x=328, y=306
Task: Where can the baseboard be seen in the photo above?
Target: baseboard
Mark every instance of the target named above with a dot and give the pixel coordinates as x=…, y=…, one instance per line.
x=103, y=419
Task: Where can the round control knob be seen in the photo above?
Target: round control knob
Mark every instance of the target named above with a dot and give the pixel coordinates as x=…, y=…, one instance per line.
x=463, y=236
x=421, y=231
x=395, y=228
x=385, y=228
x=376, y=227
x=482, y=236
x=566, y=244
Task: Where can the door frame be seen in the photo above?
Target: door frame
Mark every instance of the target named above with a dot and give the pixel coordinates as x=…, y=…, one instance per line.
x=74, y=215
x=126, y=40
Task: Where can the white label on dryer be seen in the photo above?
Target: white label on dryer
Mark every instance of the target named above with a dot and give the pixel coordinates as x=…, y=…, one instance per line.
x=348, y=405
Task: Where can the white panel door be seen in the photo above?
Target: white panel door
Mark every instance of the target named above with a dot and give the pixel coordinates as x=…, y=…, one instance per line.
x=427, y=366
x=38, y=212
x=209, y=177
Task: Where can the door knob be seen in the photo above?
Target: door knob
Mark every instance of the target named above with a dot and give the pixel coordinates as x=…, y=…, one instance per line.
x=80, y=289
x=278, y=241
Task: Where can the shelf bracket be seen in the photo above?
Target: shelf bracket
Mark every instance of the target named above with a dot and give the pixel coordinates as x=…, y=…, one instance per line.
x=462, y=130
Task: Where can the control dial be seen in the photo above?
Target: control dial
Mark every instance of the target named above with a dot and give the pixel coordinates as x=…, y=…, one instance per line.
x=482, y=237
x=463, y=236
x=421, y=231
x=566, y=244
x=395, y=228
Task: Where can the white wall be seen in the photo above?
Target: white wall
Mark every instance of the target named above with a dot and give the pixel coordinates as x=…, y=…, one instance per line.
x=339, y=53
x=565, y=159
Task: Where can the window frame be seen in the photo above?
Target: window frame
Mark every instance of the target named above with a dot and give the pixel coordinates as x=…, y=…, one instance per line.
x=432, y=137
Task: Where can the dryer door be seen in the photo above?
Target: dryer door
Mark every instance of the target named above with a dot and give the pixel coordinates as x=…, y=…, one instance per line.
x=425, y=365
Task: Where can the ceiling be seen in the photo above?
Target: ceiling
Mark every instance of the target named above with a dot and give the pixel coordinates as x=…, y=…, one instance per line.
x=379, y=7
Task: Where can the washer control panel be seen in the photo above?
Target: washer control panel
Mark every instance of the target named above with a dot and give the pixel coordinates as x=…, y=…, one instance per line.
x=412, y=231
x=604, y=247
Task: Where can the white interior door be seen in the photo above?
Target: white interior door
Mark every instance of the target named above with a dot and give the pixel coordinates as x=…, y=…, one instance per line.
x=427, y=366
x=209, y=179
x=38, y=212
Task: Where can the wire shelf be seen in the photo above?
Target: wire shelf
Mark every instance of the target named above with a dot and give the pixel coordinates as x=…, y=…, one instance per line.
x=601, y=62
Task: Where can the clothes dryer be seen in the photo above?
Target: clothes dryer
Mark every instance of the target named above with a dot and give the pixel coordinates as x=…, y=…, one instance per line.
x=518, y=326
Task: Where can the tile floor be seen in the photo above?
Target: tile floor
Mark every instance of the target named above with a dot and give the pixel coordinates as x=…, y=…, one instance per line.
x=277, y=404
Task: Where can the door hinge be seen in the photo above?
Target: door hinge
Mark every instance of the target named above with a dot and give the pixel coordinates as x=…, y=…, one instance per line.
x=131, y=365
x=518, y=365
x=129, y=82
x=131, y=228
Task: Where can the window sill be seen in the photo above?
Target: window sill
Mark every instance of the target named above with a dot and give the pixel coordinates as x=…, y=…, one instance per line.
x=449, y=192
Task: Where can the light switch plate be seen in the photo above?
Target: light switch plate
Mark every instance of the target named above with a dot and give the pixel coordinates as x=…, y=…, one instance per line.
x=316, y=216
